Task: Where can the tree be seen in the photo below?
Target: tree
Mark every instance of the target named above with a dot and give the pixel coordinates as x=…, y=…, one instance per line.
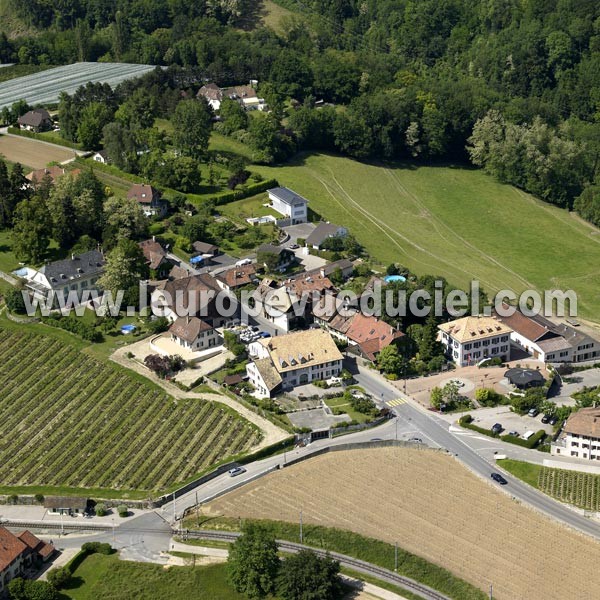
x=124, y=219
x=234, y=116
x=191, y=127
x=20, y=589
x=92, y=119
x=121, y=146
x=125, y=267
x=436, y=399
x=389, y=360
x=307, y=576
x=266, y=139
x=31, y=233
x=62, y=212
x=428, y=344
x=15, y=301
x=59, y=577
x=253, y=562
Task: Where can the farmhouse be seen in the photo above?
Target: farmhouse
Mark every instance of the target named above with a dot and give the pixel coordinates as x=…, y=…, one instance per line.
x=243, y=94
x=324, y=232
x=101, y=157
x=289, y=204
x=149, y=198
x=194, y=334
x=205, y=249
x=76, y=274
x=548, y=341
x=345, y=267
x=580, y=437
x=159, y=263
x=36, y=120
x=471, y=339
x=18, y=553
x=237, y=277
x=286, y=361
x=53, y=173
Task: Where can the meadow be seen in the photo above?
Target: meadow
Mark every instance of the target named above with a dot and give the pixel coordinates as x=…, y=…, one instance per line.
x=433, y=507
x=455, y=222
x=70, y=421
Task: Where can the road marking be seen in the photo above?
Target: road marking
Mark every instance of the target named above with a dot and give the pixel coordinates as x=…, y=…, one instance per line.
x=396, y=402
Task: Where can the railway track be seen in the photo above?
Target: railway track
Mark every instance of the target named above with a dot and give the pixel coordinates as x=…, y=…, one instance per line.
x=355, y=564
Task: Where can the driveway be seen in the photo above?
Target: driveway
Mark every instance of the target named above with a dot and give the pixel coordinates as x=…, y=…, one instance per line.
x=316, y=419
x=581, y=379
x=302, y=230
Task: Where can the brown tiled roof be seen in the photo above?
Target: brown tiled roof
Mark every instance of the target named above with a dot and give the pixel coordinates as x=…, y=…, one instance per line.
x=53, y=172
x=11, y=547
x=238, y=276
x=189, y=328
x=143, y=193
x=35, y=117
x=379, y=334
x=525, y=326
x=233, y=379
x=241, y=91
x=554, y=344
x=308, y=283
x=586, y=421
x=210, y=91
x=28, y=538
x=153, y=252
x=178, y=273
x=65, y=502
x=205, y=248
x=190, y=286
x=474, y=328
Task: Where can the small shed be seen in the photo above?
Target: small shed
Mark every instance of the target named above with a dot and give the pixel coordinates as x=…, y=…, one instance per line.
x=524, y=378
x=65, y=505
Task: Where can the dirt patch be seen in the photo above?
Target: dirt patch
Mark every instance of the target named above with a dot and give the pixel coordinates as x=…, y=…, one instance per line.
x=436, y=508
x=32, y=153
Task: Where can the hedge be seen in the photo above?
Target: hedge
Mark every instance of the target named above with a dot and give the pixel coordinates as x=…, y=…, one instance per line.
x=37, y=136
x=245, y=192
x=466, y=422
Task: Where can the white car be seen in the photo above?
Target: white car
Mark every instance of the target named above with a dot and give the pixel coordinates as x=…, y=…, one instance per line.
x=236, y=471
x=334, y=381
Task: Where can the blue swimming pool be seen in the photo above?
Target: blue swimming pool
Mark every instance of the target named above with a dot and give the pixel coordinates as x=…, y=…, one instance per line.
x=391, y=278
x=127, y=328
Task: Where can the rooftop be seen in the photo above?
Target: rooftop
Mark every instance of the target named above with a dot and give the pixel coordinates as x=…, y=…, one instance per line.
x=268, y=372
x=65, y=502
x=322, y=232
x=526, y=326
x=474, y=328
x=153, y=252
x=238, y=276
x=189, y=328
x=287, y=196
x=35, y=117
x=586, y=421
x=143, y=193
x=11, y=547
x=60, y=272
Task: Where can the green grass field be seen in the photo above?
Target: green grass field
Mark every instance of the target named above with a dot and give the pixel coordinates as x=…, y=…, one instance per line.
x=342, y=405
x=455, y=222
x=70, y=421
x=102, y=577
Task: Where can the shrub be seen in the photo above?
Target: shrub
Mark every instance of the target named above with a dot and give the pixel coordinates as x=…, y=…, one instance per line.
x=76, y=326
x=97, y=548
x=59, y=577
x=15, y=302
x=122, y=510
x=532, y=442
x=13, y=499
x=39, y=498
x=101, y=510
x=466, y=419
x=489, y=397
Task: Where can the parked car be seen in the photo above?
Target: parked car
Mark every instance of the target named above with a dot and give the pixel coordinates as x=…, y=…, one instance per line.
x=498, y=478
x=553, y=421
x=416, y=440
x=496, y=428
x=513, y=432
x=264, y=334
x=533, y=412
x=546, y=419
x=236, y=471
x=334, y=381
x=294, y=247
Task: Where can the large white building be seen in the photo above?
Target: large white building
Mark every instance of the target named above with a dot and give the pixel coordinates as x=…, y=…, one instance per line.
x=580, y=437
x=469, y=340
x=289, y=204
x=283, y=362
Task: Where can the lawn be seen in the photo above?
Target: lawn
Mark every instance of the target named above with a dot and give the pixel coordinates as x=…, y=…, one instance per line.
x=68, y=420
x=228, y=146
x=102, y=577
x=455, y=222
x=527, y=472
x=240, y=210
x=342, y=405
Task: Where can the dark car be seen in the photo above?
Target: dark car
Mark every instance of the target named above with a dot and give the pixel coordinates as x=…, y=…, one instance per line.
x=498, y=478
x=417, y=440
x=496, y=428
x=553, y=421
x=546, y=419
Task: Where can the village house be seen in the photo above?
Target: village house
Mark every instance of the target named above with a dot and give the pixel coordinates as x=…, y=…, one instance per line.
x=272, y=302
x=469, y=340
x=580, y=437
x=245, y=95
x=51, y=173
x=150, y=199
x=194, y=334
x=101, y=157
x=284, y=362
x=65, y=505
x=281, y=257
x=36, y=120
x=237, y=277
x=289, y=204
x=19, y=553
x=324, y=232
x=343, y=266
x=159, y=264
x=78, y=273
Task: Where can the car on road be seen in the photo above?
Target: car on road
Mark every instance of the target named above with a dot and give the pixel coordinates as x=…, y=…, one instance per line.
x=416, y=440
x=498, y=478
x=546, y=419
x=236, y=471
x=376, y=440
x=513, y=432
x=294, y=247
x=533, y=412
x=496, y=428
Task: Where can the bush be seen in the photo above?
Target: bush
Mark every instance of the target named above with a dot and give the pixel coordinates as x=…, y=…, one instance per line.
x=21, y=589
x=466, y=419
x=59, y=577
x=39, y=498
x=75, y=325
x=532, y=442
x=122, y=510
x=490, y=397
x=15, y=302
x=101, y=510
x=13, y=499
x=97, y=548
x=247, y=191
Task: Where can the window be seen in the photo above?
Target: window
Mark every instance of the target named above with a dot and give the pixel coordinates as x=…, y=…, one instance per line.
x=486, y=342
x=575, y=444
x=467, y=346
x=574, y=453
x=476, y=344
x=565, y=353
x=504, y=338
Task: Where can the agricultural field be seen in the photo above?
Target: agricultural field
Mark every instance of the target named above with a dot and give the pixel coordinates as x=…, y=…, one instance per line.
x=44, y=87
x=464, y=524
x=32, y=153
x=455, y=222
x=67, y=419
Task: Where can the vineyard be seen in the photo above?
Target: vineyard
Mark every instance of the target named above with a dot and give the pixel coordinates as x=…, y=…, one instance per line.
x=68, y=420
x=573, y=487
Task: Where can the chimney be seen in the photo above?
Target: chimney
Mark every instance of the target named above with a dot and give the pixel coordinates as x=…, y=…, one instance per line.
x=153, y=238
x=72, y=256
x=322, y=272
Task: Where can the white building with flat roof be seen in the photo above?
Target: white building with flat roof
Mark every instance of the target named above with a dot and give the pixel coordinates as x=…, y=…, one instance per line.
x=289, y=204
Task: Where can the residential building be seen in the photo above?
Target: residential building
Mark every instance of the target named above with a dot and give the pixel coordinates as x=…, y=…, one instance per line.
x=194, y=334
x=366, y=335
x=237, y=277
x=345, y=266
x=65, y=505
x=19, y=553
x=272, y=302
x=286, y=361
x=580, y=437
x=324, y=232
x=548, y=341
x=289, y=204
x=212, y=93
x=76, y=274
x=469, y=340
x=283, y=257
x=149, y=198
x=159, y=263
x=36, y=120
x=308, y=284
x=205, y=249
x=53, y=173
x=243, y=94
x=101, y=157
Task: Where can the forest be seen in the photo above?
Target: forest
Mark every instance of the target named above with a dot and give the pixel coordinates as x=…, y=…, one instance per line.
x=508, y=85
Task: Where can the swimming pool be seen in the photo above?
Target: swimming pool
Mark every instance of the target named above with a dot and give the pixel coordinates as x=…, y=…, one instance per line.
x=391, y=278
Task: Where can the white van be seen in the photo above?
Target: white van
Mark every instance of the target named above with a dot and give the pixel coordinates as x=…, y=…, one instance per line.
x=528, y=434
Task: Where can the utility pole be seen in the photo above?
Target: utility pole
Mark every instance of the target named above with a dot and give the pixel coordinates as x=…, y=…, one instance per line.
x=113, y=529
x=396, y=558
x=301, y=532
x=491, y=592
x=174, y=513
x=197, y=512
x=397, y=428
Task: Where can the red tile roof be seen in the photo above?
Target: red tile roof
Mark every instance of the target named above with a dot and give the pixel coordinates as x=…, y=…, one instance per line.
x=238, y=276
x=11, y=547
x=371, y=334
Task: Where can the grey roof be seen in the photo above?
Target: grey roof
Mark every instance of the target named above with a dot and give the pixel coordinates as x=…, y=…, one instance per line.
x=288, y=196
x=322, y=232
x=35, y=117
x=554, y=344
x=65, y=502
x=205, y=248
x=575, y=337
x=329, y=268
x=60, y=272
x=272, y=249
x=518, y=376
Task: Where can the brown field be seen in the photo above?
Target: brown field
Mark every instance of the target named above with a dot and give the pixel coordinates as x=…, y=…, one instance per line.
x=436, y=508
x=32, y=153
